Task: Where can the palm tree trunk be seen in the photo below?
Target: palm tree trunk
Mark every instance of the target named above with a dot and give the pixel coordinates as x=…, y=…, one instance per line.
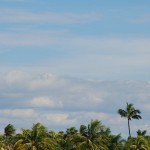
x=129, y=128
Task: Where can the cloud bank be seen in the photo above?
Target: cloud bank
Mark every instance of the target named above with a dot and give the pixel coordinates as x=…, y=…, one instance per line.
x=61, y=102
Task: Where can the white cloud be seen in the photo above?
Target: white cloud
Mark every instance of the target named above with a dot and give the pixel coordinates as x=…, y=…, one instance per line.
x=45, y=81
x=45, y=102
x=59, y=119
x=65, y=102
x=92, y=98
x=16, y=76
x=20, y=113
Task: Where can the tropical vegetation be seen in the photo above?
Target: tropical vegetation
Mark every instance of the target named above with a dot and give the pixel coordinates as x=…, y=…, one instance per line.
x=93, y=136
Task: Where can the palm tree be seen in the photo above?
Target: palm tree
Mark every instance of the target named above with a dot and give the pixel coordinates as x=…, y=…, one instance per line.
x=9, y=130
x=141, y=133
x=139, y=143
x=130, y=113
x=19, y=145
x=116, y=142
x=36, y=139
x=69, y=138
x=8, y=139
x=58, y=138
x=93, y=137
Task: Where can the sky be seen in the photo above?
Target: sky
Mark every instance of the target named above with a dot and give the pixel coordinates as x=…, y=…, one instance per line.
x=66, y=62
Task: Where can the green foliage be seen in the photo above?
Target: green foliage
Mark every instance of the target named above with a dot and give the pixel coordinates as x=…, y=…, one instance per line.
x=130, y=113
x=137, y=143
x=141, y=133
x=9, y=130
x=93, y=136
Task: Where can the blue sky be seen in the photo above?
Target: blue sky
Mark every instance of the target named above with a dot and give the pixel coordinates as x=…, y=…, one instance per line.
x=49, y=46
x=112, y=37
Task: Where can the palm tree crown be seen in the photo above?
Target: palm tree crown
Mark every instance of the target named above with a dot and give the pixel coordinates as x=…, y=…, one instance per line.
x=141, y=133
x=130, y=113
x=9, y=130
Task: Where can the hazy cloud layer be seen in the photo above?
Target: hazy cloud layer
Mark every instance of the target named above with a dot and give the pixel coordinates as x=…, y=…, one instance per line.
x=60, y=102
x=89, y=57
x=23, y=16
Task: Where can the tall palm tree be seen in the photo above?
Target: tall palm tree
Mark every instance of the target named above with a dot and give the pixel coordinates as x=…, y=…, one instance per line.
x=130, y=113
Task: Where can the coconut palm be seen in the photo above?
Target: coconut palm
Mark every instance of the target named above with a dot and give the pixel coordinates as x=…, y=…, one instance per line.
x=69, y=143
x=19, y=145
x=9, y=130
x=83, y=130
x=130, y=113
x=116, y=142
x=139, y=143
x=36, y=139
x=141, y=133
x=58, y=138
x=8, y=138
x=93, y=136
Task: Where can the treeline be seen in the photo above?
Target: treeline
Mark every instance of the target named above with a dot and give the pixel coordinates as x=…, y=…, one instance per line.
x=93, y=136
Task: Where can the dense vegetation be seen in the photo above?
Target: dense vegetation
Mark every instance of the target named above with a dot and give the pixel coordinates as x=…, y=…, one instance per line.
x=94, y=136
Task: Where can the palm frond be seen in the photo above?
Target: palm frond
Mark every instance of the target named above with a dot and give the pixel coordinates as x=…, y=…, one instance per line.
x=137, y=117
x=122, y=112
